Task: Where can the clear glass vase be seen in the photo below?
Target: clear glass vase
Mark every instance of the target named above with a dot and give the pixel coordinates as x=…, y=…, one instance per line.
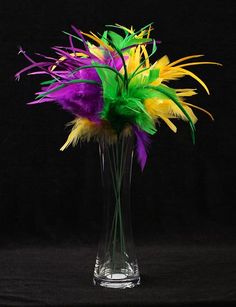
x=116, y=263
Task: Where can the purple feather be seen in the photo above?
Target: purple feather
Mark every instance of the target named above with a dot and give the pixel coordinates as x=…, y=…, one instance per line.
x=142, y=143
x=82, y=99
x=78, y=32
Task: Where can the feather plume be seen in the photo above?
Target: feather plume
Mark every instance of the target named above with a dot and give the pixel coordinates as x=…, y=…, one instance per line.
x=111, y=88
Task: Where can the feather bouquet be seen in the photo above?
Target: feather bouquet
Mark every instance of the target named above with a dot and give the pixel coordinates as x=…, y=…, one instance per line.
x=113, y=90
x=111, y=87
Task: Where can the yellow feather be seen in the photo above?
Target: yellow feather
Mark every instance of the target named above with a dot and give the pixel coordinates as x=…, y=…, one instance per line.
x=84, y=130
x=162, y=62
x=80, y=128
x=131, y=30
x=137, y=57
x=141, y=34
x=96, y=51
x=149, y=31
x=169, y=71
x=173, y=111
x=98, y=40
x=61, y=59
x=171, y=74
x=187, y=72
x=190, y=113
x=134, y=59
x=157, y=82
x=201, y=109
x=169, y=123
x=186, y=58
x=167, y=108
x=144, y=50
x=184, y=92
x=199, y=63
x=151, y=107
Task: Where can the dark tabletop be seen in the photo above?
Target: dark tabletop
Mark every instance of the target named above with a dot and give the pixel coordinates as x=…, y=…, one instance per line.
x=186, y=274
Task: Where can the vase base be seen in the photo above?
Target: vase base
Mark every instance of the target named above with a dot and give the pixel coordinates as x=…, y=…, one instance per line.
x=116, y=281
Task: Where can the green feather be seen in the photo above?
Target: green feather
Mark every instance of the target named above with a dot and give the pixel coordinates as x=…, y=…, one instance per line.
x=65, y=84
x=129, y=39
x=51, y=91
x=144, y=92
x=48, y=82
x=116, y=39
x=123, y=61
x=135, y=41
x=124, y=109
x=97, y=65
x=153, y=75
x=110, y=82
x=104, y=36
x=171, y=94
x=76, y=37
x=135, y=33
x=143, y=28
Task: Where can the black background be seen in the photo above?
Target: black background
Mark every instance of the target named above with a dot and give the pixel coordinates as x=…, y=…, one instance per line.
x=186, y=194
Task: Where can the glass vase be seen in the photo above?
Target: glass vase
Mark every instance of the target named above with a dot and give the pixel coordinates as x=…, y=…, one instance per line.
x=116, y=264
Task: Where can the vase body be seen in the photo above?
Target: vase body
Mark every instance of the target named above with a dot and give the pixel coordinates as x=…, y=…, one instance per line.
x=116, y=264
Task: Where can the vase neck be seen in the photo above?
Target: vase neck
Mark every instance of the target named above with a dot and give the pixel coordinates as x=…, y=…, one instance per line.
x=116, y=160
